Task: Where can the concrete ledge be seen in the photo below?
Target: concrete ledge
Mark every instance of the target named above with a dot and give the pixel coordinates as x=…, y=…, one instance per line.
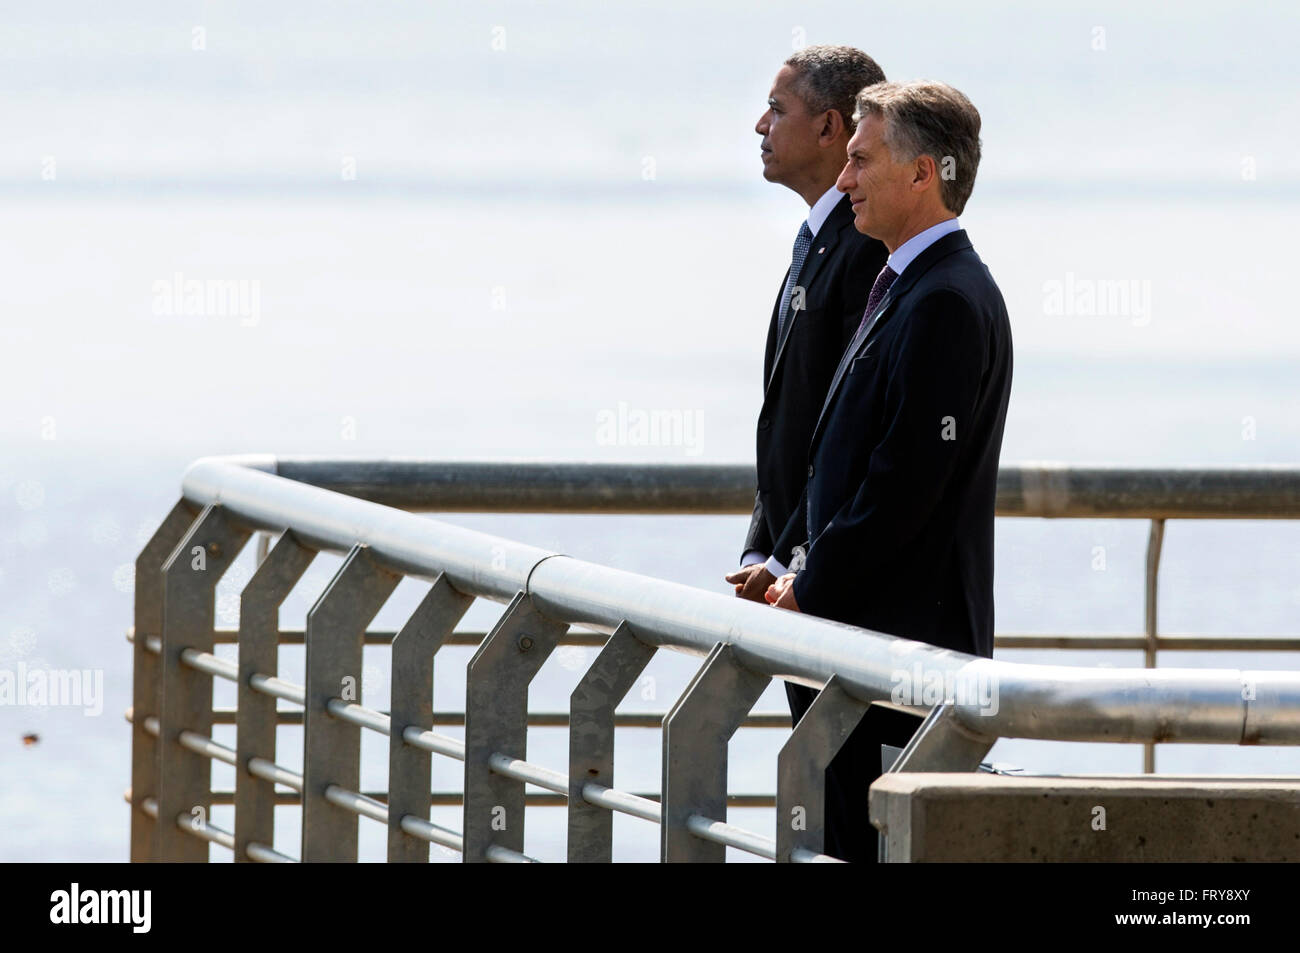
x=996, y=818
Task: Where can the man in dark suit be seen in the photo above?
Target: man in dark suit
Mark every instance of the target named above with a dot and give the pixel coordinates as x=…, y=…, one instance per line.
x=805, y=131
x=903, y=463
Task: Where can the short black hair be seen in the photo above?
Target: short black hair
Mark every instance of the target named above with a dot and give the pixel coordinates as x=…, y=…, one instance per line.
x=830, y=77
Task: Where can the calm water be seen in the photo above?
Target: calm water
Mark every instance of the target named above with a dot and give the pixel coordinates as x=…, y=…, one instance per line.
x=501, y=272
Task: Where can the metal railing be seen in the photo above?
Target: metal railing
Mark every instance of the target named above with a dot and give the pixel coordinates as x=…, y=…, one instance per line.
x=352, y=507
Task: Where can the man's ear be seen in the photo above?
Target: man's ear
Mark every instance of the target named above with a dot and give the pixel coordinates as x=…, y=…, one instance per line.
x=832, y=127
x=924, y=172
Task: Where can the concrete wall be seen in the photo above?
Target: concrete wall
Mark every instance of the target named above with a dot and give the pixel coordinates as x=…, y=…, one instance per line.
x=989, y=817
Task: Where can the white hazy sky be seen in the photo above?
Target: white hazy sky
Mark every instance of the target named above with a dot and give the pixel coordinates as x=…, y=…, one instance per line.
x=1140, y=95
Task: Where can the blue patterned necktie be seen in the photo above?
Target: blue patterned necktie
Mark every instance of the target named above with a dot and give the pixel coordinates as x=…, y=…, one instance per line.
x=883, y=282
x=802, y=242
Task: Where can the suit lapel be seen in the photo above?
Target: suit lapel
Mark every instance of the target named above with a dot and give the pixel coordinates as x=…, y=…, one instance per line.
x=823, y=246
x=952, y=242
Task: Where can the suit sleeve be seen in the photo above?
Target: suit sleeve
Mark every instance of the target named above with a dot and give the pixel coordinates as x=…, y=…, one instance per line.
x=935, y=369
x=852, y=290
x=794, y=534
x=758, y=536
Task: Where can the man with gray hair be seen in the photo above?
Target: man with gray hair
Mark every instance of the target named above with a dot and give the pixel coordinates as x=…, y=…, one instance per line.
x=903, y=463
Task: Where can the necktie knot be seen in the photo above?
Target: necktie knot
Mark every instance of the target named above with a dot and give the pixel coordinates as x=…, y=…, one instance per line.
x=883, y=282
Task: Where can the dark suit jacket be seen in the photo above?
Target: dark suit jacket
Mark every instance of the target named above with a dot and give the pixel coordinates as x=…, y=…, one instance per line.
x=903, y=464
x=836, y=277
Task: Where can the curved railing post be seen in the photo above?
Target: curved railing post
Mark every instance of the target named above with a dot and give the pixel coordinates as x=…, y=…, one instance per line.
x=591, y=740
x=696, y=733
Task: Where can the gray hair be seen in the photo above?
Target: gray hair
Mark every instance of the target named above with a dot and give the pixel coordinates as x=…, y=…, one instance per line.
x=829, y=77
x=933, y=119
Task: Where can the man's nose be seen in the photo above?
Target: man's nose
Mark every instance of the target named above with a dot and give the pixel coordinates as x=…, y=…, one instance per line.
x=761, y=126
x=845, y=181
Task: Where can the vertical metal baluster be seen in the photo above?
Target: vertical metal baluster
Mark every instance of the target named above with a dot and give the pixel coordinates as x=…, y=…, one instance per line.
x=146, y=679
x=591, y=740
x=942, y=744
x=414, y=647
x=801, y=769
x=263, y=546
x=496, y=720
x=696, y=733
x=190, y=578
x=336, y=631
x=1154, y=541
x=255, y=714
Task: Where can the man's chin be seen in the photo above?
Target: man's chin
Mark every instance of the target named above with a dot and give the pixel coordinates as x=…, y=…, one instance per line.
x=863, y=227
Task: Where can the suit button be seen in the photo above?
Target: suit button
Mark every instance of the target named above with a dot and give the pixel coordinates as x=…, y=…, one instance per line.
x=810, y=471
x=764, y=424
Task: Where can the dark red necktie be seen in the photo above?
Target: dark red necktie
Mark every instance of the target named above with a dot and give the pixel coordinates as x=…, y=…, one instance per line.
x=883, y=282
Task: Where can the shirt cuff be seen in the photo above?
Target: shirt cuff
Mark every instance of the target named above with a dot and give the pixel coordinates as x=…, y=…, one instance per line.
x=751, y=557
x=775, y=568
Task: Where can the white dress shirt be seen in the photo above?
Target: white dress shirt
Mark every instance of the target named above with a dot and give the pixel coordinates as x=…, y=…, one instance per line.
x=817, y=215
x=907, y=252
x=821, y=209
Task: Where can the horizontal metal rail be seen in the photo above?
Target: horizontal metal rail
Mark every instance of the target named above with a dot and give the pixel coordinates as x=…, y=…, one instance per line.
x=520, y=770
x=643, y=806
x=1040, y=488
x=226, y=797
x=1075, y=641
x=266, y=855
x=187, y=822
x=357, y=803
x=277, y=688
x=1035, y=701
x=425, y=830
x=801, y=855
x=504, y=855
x=203, y=830
x=268, y=771
x=434, y=743
x=208, y=663
x=635, y=805
x=730, y=836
